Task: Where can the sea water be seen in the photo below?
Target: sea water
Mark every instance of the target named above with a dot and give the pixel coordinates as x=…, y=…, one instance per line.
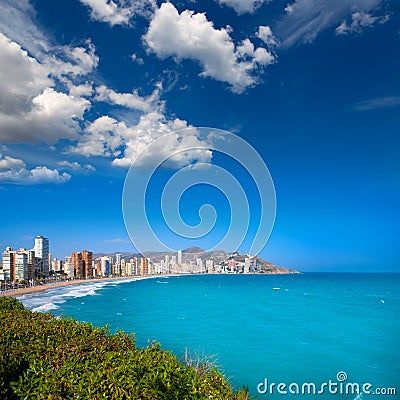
x=261, y=329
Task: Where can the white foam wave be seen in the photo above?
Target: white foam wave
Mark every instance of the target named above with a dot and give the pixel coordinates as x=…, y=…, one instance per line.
x=41, y=301
x=45, y=307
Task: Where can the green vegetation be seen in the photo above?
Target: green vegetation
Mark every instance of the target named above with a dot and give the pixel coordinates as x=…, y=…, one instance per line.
x=42, y=357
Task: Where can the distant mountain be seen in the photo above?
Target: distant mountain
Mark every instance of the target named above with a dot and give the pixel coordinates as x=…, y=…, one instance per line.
x=193, y=250
x=192, y=253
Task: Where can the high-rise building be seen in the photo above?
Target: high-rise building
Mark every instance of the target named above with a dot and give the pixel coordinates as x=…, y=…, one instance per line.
x=56, y=265
x=134, y=260
x=77, y=262
x=210, y=266
x=247, y=265
x=82, y=262
x=8, y=266
x=144, y=266
x=68, y=267
x=105, y=266
x=123, y=267
x=42, y=251
x=173, y=265
x=167, y=263
x=50, y=257
x=31, y=263
x=199, y=264
x=87, y=258
x=21, y=266
x=179, y=257
x=118, y=263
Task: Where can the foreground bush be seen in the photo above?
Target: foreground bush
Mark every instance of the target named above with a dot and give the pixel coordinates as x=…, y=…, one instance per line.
x=42, y=357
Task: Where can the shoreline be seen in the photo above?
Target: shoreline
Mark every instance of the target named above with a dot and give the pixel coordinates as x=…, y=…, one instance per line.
x=48, y=286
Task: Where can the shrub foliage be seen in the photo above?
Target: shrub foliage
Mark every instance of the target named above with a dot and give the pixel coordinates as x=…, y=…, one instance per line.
x=43, y=357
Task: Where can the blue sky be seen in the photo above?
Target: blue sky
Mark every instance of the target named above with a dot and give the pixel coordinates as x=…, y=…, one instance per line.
x=312, y=85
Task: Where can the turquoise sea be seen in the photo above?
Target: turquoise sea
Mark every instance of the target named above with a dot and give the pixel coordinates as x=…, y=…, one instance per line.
x=262, y=329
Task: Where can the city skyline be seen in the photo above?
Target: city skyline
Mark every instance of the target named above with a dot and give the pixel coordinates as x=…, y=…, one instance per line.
x=31, y=267
x=312, y=86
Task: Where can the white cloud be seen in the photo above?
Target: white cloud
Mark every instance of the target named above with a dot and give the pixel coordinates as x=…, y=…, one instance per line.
x=14, y=171
x=46, y=175
x=190, y=35
x=305, y=19
x=130, y=100
x=30, y=109
x=108, y=137
x=266, y=35
x=243, y=6
x=74, y=61
x=117, y=12
x=32, y=67
x=16, y=23
x=359, y=21
x=103, y=137
x=80, y=90
x=149, y=128
x=72, y=165
x=260, y=55
x=289, y=8
x=21, y=77
x=8, y=163
x=137, y=59
x=75, y=166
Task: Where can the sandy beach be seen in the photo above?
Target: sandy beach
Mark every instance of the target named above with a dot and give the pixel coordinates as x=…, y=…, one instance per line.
x=41, y=288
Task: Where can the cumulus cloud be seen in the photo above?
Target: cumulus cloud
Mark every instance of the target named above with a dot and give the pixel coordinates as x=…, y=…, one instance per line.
x=80, y=90
x=151, y=127
x=21, y=77
x=75, y=166
x=108, y=137
x=359, y=21
x=30, y=109
x=246, y=50
x=117, y=12
x=266, y=35
x=190, y=35
x=243, y=6
x=103, y=137
x=16, y=23
x=74, y=61
x=130, y=100
x=305, y=19
x=14, y=171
